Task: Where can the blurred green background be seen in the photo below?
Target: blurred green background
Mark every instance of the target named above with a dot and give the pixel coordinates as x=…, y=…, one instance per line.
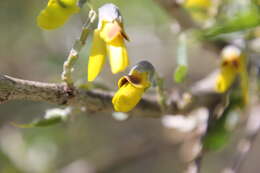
x=90, y=143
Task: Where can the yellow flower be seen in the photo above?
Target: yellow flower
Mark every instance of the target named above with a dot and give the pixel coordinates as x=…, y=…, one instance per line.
x=108, y=40
x=233, y=64
x=227, y=75
x=198, y=8
x=57, y=13
x=133, y=86
x=230, y=66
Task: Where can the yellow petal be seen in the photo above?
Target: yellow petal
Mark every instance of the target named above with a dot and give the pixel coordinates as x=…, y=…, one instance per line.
x=204, y=4
x=69, y=3
x=51, y=19
x=225, y=79
x=117, y=55
x=56, y=13
x=97, y=56
x=127, y=97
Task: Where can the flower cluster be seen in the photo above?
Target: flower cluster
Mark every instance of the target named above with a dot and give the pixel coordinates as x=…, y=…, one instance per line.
x=108, y=40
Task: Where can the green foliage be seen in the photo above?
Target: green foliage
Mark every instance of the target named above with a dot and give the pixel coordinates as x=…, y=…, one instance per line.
x=242, y=21
x=218, y=136
x=219, y=133
x=40, y=123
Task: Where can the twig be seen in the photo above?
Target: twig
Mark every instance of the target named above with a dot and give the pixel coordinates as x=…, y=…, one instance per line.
x=245, y=144
x=60, y=94
x=161, y=97
x=74, y=52
x=194, y=166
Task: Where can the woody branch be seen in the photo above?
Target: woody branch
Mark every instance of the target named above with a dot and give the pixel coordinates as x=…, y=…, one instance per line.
x=94, y=100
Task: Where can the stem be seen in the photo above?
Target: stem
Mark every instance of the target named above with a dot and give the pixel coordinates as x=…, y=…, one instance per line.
x=74, y=52
x=161, y=97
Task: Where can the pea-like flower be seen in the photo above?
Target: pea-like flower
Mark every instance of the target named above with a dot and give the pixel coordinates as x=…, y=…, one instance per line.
x=108, y=40
x=231, y=65
x=56, y=13
x=133, y=86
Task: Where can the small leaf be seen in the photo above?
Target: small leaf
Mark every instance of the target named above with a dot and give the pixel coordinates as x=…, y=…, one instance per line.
x=39, y=123
x=180, y=73
x=182, y=69
x=219, y=133
x=52, y=117
x=216, y=140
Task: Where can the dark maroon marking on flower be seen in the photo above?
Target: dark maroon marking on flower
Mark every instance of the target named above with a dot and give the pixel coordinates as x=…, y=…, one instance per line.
x=225, y=63
x=122, y=31
x=124, y=35
x=235, y=63
x=134, y=79
x=123, y=81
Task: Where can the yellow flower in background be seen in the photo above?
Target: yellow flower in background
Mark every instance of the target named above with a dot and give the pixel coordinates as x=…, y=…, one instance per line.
x=198, y=8
x=233, y=64
x=230, y=65
x=108, y=40
x=225, y=79
x=56, y=13
x=133, y=86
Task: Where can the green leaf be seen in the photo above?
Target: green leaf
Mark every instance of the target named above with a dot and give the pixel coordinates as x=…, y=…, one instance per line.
x=180, y=73
x=216, y=140
x=242, y=20
x=40, y=123
x=52, y=117
x=219, y=133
